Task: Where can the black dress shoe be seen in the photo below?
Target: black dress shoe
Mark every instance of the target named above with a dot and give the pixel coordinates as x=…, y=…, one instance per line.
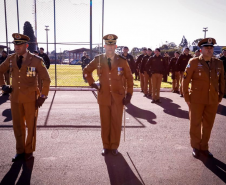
x=153, y=101
x=181, y=95
x=207, y=153
x=145, y=95
x=18, y=157
x=195, y=153
x=28, y=156
x=114, y=152
x=104, y=152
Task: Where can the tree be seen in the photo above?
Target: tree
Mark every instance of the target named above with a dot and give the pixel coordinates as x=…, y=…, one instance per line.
x=195, y=42
x=28, y=30
x=172, y=45
x=184, y=42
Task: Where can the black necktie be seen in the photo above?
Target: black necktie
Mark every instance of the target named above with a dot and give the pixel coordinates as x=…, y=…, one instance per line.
x=208, y=63
x=19, y=61
x=109, y=63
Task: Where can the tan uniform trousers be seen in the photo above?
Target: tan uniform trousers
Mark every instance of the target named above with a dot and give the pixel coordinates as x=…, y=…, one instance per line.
x=156, y=84
x=176, y=81
x=181, y=78
x=21, y=113
x=201, y=123
x=147, y=82
x=111, y=125
x=141, y=81
x=7, y=80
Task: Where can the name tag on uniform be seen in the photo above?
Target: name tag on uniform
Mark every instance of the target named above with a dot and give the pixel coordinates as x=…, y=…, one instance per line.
x=31, y=71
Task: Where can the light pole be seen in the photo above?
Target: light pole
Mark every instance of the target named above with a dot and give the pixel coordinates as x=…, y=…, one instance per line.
x=47, y=29
x=205, y=30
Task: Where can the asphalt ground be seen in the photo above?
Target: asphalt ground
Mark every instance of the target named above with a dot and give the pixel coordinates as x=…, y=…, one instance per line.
x=156, y=149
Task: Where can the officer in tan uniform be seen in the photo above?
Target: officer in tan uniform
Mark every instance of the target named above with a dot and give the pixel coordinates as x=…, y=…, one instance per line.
x=25, y=97
x=111, y=69
x=206, y=75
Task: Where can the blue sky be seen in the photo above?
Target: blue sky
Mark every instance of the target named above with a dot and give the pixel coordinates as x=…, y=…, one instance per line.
x=136, y=23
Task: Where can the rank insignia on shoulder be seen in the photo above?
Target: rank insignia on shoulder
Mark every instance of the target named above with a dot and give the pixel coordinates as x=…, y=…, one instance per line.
x=43, y=65
x=185, y=74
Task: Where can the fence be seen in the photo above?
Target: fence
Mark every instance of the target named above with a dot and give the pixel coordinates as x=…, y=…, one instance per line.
x=64, y=28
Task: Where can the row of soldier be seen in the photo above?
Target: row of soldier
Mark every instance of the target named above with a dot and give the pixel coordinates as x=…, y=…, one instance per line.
x=152, y=69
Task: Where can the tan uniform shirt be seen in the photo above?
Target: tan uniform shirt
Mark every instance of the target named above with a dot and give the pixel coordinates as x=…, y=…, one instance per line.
x=207, y=82
x=23, y=86
x=112, y=85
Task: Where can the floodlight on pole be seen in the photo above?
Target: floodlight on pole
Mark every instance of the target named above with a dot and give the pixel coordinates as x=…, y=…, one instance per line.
x=47, y=39
x=205, y=30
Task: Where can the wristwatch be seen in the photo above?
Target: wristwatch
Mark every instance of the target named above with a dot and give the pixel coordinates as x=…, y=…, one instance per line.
x=43, y=96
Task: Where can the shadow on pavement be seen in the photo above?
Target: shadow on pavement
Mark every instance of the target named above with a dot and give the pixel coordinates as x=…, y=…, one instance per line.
x=216, y=166
x=172, y=109
x=221, y=110
x=7, y=112
x=137, y=112
x=12, y=175
x=119, y=171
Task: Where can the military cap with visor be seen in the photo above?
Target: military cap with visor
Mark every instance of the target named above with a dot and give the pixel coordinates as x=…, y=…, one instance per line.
x=207, y=42
x=20, y=39
x=110, y=39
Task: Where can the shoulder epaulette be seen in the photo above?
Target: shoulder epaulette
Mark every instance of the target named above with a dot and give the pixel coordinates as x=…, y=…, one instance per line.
x=122, y=57
x=37, y=56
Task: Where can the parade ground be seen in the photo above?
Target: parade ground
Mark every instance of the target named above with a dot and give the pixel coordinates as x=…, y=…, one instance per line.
x=156, y=149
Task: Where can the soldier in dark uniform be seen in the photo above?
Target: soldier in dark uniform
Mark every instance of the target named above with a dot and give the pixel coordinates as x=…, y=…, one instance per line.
x=206, y=75
x=112, y=69
x=24, y=93
x=129, y=59
x=167, y=60
x=6, y=74
x=147, y=78
x=86, y=61
x=223, y=58
x=45, y=57
x=156, y=67
x=181, y=65
x=138, y=66
x=82, y=59
x=175, y=74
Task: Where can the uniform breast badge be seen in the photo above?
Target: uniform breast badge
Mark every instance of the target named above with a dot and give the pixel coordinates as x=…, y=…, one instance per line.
x=31, y=72
x=120, y=71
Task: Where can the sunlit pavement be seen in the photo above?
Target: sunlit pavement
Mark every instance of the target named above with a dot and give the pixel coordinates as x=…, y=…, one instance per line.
x=156, y=149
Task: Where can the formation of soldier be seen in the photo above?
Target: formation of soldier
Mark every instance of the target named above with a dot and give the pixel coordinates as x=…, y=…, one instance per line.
x=115, y=88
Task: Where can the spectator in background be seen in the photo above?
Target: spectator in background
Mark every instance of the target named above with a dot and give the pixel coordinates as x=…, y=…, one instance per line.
x=6, y=75
x=85, y=62
x=129, y=59
x=197, y=53
x=45, y=57
x=83, y=58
